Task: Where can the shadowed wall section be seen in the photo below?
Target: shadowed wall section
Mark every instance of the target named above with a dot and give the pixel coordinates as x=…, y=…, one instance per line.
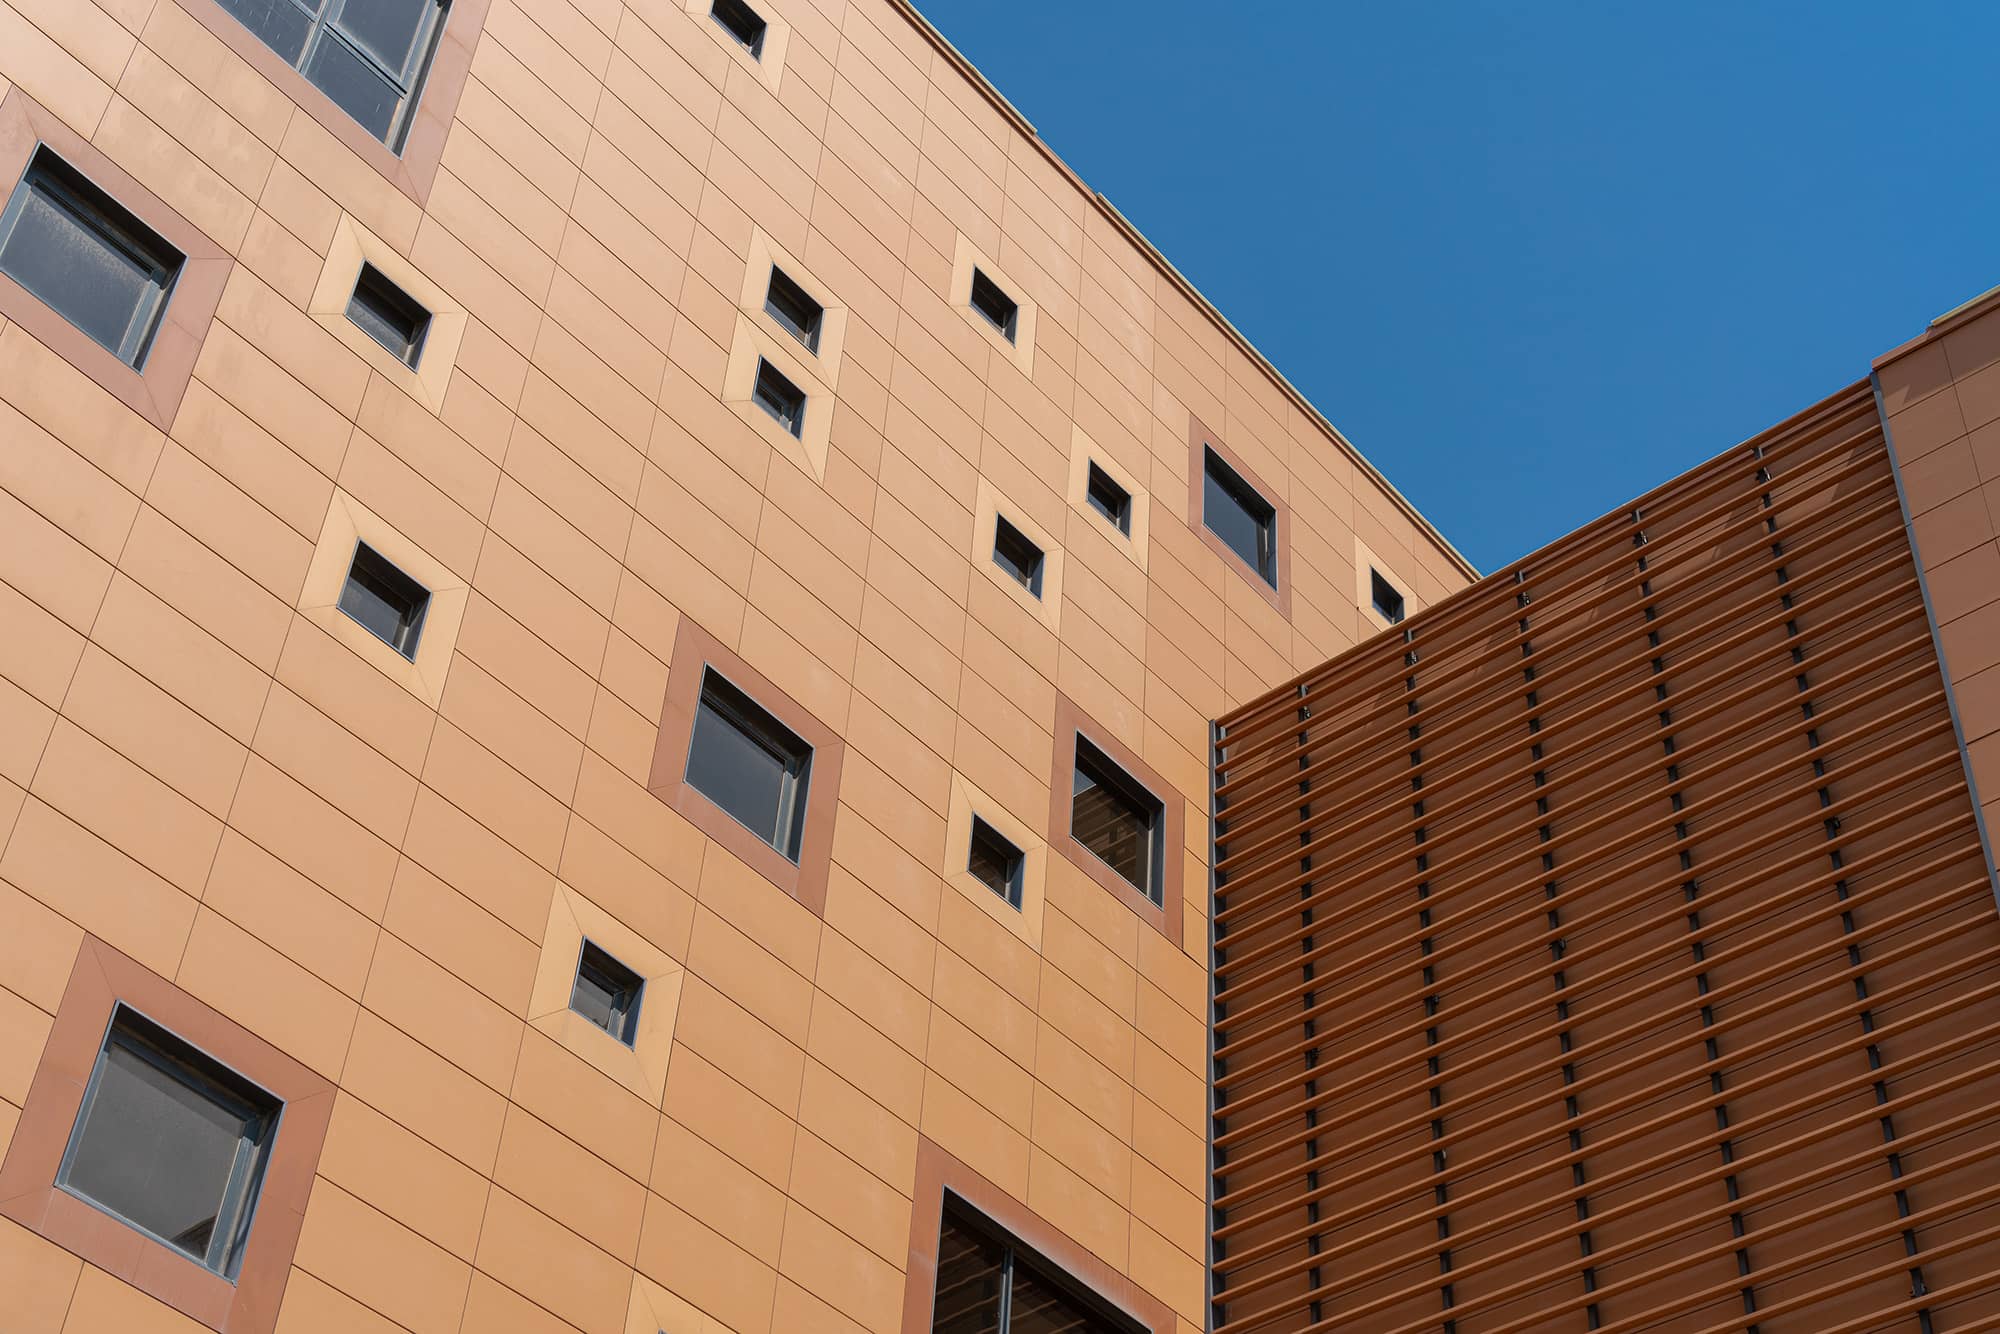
x=1613, y=948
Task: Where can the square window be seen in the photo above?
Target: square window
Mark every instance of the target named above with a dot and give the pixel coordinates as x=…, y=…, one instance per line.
x=1245, y=521
x=791, y=307
x=1117, y=819
x=1000, y=310
x=172, y=1142
x=748, y=763
x=389, y=315
x=1014, y=552
x=389, y=604
x=995, y=862
x=785, y=401
x=87, y=257
x=743, y=23
x=369, y=56
x=607, y=993
x=1108, y=498
x=1388, y=602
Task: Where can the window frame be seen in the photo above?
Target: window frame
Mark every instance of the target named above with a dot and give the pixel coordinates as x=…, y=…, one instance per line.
x=986, y=292
x=410, y=632
x=1165, y=913
x=626, y=1017
x=1118, y=515
x=323, y=25
x=385, y=291
x=1219, y=478
x=1104, y=772
x=1377, y=583
x=1015, y=859
x=793, y=292
x=738, y=709
x=1026, y=572
x=782, y=400
x=1276, y=588
x=739, y=10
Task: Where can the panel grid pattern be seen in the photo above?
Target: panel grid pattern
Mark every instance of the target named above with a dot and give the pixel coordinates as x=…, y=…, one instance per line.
x=1612, y=946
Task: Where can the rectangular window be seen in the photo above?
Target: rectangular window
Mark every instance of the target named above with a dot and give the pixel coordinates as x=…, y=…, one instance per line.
x=388, y=603
x=389, y=315
x=171, y=1141
x=1016, y=553
x=751, y=765
x=1388, y=602
x=87, y=257
x=1245, y=521
x=607, y=993
x=1108, y=498
x=791, y=307
x=1000, y=310
x=369, y=56
x=785, y=401
x=995, y=862
x=988, y=1285
x=743, y=23
x=1117, y=819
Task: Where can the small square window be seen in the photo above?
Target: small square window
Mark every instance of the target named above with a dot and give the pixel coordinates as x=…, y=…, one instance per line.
x=172, y=1142
x=1117, y=819
x=995, y=862
x=743, y=23
x=1245, y=521
x=389, y=604
x=751, y=765
x=1016, y=553
x=1388, y=602
x=607, y=993
x=792, y=308
x=1108, y=498
x=785, y=401
x=87, y=257
x=1000, y=310
x=389, y=315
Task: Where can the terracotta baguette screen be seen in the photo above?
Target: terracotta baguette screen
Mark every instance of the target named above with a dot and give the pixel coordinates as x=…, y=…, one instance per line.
x=1612, y=947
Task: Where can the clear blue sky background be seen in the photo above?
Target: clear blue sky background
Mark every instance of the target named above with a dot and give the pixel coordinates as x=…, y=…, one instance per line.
x=1569, y=247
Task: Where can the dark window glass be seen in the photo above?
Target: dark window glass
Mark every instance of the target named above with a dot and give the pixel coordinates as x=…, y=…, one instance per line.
x=389, y=315
x=87, y=257
x=987, y=1286
x=1015, y=553
x=797, y=312
x=743, y=23
x=607, y=993
x=387, y=602
x=170, y=1141
x=1108, y=498
x=1116, y=819
x=750, y=764
x=781, y=398
x=1244, y=520
x=369, y=56
x=1388, y=602
x=1000, y=310
x=995, y=862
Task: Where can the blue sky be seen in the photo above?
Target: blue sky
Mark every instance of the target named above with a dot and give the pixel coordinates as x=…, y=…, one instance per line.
x=1568, y=248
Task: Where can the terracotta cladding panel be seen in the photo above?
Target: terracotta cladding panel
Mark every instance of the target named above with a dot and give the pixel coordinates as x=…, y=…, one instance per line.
x=1615, y=915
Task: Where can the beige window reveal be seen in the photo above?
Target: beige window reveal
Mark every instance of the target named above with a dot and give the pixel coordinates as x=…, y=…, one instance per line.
x=354, y=245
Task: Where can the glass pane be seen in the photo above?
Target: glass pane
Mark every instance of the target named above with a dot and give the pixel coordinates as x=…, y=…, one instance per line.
x=155, y=1150
x=969, y=1275
x=387, y=611
x=1038, y=1307
x=1110, y=824
x=1241, y=531
x=95, y=285
x=351, y=82
x=279, y=24
x=742, y=775
x=388, y=29
x=995, y=862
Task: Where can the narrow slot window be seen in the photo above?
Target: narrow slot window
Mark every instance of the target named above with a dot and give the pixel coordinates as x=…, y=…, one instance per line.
x=995, y=862
x=777, y=395
x=1117, y=819
x=1388, y=602
x=1108, y=498
x=388, y=603
x=751, y=765
x=171, y=1142
x=1245, y=521
x=793, y=309
x=1015, y=553
x=389, y=315
x=743, y=23
x=607, y=993
x=1000, y=310
x=87, y=257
